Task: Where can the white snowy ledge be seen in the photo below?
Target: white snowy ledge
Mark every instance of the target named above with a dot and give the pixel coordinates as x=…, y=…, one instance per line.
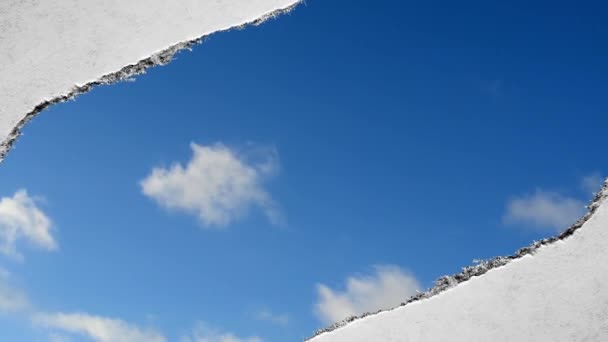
x=54, y=50
x=555, y=290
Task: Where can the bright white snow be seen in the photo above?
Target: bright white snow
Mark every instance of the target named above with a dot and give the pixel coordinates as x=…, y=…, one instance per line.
x=558, y=293
x=49, y=47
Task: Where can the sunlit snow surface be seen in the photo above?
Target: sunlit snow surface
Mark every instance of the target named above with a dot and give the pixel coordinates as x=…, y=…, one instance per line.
x=53, y=49
x=556, y=293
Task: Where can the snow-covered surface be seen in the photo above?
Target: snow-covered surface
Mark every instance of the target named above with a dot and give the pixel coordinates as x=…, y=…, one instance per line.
x=553, y=291
x=52, y=50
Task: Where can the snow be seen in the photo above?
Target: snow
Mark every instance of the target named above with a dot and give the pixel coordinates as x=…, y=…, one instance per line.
x=53, y=50
x=554, y=291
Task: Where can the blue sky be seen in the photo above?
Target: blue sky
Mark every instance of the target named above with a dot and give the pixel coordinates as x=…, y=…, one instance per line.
x=385, y=143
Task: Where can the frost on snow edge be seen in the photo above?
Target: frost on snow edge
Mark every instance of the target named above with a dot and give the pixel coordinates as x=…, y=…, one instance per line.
x=160, y=58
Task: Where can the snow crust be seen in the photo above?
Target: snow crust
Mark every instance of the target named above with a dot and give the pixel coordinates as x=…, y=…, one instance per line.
x=554, y=291
x=53, y=50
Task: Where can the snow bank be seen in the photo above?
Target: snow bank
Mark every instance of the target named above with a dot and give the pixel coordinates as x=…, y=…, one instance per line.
x=553, y=291
x=53, y=50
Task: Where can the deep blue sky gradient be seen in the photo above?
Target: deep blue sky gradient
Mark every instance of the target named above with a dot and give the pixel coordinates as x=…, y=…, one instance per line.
x=402, y=130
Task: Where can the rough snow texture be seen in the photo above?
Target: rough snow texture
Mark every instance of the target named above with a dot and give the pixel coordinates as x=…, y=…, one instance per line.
x=554, y=290
x=54, y=50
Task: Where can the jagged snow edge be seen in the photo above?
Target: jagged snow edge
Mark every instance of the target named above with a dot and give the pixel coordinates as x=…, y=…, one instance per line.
x=160, y=58
x=447, y=282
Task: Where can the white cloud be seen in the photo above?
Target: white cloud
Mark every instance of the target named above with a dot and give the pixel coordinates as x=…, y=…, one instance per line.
x=218, y=185
x=62, y=326
x=269, y=316
x=388, y=287
x=204, y=333
x=544, y=209
x=12, y=300
x=54, y=337
x=20, y=218
x=99, y=329
x=592, y=182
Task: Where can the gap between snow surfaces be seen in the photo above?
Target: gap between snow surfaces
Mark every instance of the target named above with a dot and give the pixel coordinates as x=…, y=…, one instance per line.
x=552, y=290
x=54, y=51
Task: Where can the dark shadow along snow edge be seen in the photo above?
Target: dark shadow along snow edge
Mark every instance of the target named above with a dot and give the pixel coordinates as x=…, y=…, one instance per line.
x=160, y=58
x=447, y=282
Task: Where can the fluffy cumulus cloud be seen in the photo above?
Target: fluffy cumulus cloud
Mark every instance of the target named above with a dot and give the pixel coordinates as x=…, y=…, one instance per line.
x=386, y=288
x=99, y=329
x=544, y=210
x=272, y=317
x=21, y=219
x=218, y=185
x=204, y=333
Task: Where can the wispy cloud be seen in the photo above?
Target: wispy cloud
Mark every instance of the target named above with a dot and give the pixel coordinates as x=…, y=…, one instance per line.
x=550, y=210
x=271, y=317
x=592, y=182
x=386, y=288
x=12, y=300
x=544, y=210
x=494, y=87
x=99, y=329
x=55, y=337
x=203, y=332
x=219, y=185
x=62, y=326
x=21, y=219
